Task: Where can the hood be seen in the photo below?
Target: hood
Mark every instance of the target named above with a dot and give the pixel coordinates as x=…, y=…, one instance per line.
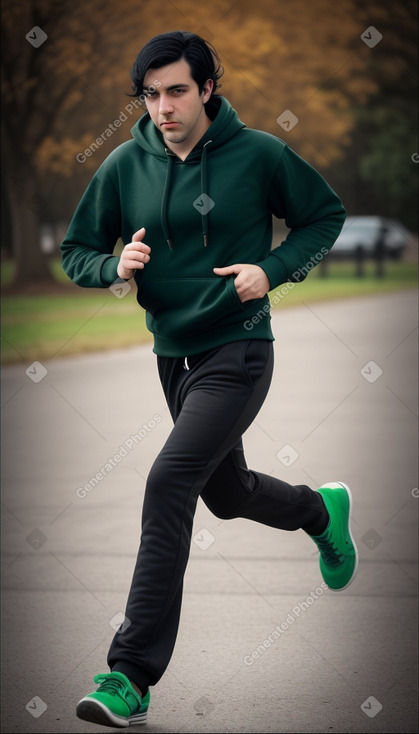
x=225, y=124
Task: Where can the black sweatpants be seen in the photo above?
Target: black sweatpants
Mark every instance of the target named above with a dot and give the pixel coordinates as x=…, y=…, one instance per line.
x=213, y=398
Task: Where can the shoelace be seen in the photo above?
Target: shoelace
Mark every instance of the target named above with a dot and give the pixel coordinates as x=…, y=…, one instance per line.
x=111, y=685
x=330, y=553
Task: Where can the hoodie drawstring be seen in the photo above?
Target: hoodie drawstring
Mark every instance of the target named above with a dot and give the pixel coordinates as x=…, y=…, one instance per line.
x=204, y=190
x=204, y=187
x=165, y=199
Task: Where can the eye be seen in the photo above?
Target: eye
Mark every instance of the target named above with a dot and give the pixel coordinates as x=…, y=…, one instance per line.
x=148, y=93
x=179, y=91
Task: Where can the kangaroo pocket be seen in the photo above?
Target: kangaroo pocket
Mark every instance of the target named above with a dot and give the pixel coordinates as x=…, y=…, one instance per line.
x=187, y=306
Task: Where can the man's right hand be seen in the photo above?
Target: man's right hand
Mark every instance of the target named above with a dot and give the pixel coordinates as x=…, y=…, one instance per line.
x=134, y=256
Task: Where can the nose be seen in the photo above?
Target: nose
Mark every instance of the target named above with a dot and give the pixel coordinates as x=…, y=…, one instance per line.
x=166, y=106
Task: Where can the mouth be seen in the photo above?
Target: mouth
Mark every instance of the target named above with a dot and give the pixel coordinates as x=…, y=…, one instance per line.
x=169, y=125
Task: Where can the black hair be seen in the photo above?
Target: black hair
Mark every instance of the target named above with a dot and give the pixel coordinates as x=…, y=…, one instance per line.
x=168, y=48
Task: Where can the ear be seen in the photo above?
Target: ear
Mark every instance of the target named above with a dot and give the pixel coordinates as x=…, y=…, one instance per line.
x=207, y=90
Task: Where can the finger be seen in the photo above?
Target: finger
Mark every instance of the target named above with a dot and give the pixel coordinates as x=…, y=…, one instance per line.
x=137, y=247
x=229, y=270
x=135, y=256
x=138, y=235
x=133, y=264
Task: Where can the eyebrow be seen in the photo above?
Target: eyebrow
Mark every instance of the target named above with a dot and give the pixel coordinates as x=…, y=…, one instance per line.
x=172, y=86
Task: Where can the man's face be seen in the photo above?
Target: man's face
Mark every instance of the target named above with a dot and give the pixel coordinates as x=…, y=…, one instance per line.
x=176, y=105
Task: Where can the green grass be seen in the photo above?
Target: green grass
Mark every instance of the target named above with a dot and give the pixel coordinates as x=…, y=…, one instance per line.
x=40, y=327
x=342, y=283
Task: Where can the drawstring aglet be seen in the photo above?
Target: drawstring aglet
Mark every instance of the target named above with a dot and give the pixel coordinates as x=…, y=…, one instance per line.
x=205, y=240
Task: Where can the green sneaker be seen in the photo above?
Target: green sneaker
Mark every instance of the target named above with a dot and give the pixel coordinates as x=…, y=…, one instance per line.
x=115, y=703
x=338, y=552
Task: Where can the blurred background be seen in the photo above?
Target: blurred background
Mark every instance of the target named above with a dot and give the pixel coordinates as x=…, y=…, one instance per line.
x=344, y=394
x=347, y=70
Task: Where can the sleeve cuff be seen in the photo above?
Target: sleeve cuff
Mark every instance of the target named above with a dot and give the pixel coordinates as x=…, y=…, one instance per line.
x=275, y=270
x=108, y=271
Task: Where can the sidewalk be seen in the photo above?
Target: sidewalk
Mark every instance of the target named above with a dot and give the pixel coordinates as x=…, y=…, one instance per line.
x=342, y=407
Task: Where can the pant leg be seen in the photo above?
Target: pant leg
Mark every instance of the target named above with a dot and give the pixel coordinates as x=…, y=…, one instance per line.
x=212, y=404
x=233, y=491
x=215, y=401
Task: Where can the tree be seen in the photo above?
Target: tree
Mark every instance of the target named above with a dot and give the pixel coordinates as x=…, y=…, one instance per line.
x=43, y=77
x=381, y=172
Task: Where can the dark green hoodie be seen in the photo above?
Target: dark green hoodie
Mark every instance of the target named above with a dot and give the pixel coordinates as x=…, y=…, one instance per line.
x=211, y=210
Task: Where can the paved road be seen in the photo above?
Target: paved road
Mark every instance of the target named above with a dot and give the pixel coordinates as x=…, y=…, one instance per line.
x=342, y=407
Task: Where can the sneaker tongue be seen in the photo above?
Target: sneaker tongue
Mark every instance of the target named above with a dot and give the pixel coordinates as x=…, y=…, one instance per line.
x=130, y=688
x=121, y=676
x=121, y=684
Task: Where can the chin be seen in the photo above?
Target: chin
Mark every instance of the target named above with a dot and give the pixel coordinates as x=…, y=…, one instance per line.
x=173, y=138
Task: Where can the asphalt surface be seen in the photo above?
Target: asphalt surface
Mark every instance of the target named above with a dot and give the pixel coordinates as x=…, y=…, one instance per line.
x=342, y=407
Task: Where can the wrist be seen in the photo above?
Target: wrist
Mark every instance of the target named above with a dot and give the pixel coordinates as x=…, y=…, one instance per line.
x=124, y=274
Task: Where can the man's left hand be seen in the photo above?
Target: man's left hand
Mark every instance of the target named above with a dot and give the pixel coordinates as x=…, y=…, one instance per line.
x=250, y=281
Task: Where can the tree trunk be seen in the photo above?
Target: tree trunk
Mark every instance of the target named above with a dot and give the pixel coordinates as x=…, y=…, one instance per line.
x=25, y=207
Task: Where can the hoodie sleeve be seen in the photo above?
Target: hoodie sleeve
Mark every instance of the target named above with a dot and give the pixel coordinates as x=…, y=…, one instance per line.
x=87, y=249
x=313, y=213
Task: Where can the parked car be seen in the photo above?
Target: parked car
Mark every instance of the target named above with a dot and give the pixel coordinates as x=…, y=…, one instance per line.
x=362, y=235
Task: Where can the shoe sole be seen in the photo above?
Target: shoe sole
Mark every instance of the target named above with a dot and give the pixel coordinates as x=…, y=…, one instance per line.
x=334, y=485
x=90, y=710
